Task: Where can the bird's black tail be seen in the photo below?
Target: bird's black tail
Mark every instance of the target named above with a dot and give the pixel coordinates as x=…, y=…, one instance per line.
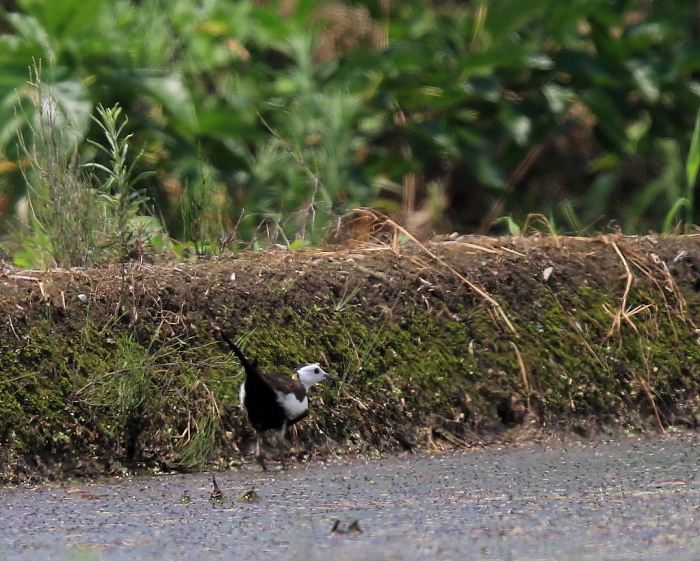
x=250, y=368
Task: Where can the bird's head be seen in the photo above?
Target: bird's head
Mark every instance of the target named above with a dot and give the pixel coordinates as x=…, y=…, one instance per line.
x=310, y=374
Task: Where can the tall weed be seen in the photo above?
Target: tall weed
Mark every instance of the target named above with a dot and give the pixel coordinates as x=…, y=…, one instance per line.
x=80, y=214
x=64, y=218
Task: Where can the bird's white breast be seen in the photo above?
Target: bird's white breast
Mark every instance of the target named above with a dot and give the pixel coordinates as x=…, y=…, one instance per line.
x=293, y=408
x=241, y=396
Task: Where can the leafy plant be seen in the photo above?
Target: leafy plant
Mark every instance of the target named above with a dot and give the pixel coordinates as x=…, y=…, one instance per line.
x=692, y=165
x=256, y=133
x=76, y=218
x=124, y=202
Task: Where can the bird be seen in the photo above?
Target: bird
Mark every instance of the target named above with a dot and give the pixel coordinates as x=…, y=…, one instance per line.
x=275, y=401
x=217, y=497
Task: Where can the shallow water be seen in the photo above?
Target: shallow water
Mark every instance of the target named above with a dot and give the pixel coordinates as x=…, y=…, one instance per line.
x=633, y=499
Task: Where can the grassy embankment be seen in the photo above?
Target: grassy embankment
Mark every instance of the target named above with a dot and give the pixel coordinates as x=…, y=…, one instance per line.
x=133, y=378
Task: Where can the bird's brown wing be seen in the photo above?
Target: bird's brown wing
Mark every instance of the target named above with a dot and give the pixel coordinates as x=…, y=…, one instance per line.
x=285, y=384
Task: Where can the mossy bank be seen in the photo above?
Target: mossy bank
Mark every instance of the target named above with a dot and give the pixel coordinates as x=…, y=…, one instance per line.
x=459, y=341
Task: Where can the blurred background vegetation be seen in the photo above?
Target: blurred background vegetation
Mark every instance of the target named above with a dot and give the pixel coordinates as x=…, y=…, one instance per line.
x=196, y=125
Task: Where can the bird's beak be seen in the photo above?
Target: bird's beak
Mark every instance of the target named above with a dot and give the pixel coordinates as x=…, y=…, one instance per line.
x=331, y=377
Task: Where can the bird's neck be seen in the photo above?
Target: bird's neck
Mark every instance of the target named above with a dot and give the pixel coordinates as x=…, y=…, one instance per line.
x=306, y=383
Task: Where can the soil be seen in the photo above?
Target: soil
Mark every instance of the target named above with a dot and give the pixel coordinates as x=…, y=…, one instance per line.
x=451, y=343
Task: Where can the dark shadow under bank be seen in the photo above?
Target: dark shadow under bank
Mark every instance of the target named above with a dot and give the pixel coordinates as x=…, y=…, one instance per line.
x=453, y=344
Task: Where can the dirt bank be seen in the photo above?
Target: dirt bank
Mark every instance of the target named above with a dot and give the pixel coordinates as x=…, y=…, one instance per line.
x=448, y=344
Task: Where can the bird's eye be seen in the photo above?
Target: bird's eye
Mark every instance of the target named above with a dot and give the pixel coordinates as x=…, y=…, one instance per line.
x=316, y=371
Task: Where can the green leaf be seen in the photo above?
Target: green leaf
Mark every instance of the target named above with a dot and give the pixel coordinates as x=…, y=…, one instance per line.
x=610, y=122
x=298, y=245
x=168, y=89
x=507, y=16
x=74, y=105
x=650, y=33
x=646, y=79
x=558, y=97
x=62, y=108
x=499, y=56
x=485, y=171
x=35, y=40
x=222, y=122
x=512, y=225
x=693, y=162
x=586, y=66
x=269, y=27
x=483, y=87
x=637, y=130
x=64, y=19
x=446, y=142
x=672, y=213
x=539, y=61
x=304, y=11
x=686, y=58
x=519, y=126
x=11, y=121
x=667, y=185
x=13, y=82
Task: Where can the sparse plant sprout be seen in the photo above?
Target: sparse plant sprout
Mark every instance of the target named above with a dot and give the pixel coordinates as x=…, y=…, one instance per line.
x=346, y=297
x=306, y=172
x=511, y=225
x=123, y=383
x=202, y=207
x=124, y=387
x=79, y=214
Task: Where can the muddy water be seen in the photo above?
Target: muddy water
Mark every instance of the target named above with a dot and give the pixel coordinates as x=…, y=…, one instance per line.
x=635, y=499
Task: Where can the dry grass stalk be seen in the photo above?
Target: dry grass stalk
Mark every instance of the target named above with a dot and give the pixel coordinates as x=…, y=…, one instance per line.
x=648, y=390
x=533, y=219
x=621, y=313
x=376, y=223
x=524, y=374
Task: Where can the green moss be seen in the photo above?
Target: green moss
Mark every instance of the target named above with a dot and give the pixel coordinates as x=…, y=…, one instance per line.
x=142, y=396
x=99, y=395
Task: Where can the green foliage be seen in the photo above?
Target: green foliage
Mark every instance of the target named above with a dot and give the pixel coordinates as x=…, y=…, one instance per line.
x=121, y=388
x=511, y=226
x=201, y=444
x=76, y=218
x=124, y=203
x=578, y=111
x=62, y=225
x=692, y=165
x=122, y=381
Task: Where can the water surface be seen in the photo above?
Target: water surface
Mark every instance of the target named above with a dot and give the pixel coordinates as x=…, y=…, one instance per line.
x=631, y=499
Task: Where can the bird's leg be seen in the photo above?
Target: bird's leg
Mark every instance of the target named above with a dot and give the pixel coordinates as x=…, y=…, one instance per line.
x=259, y=454
x=280, y=443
